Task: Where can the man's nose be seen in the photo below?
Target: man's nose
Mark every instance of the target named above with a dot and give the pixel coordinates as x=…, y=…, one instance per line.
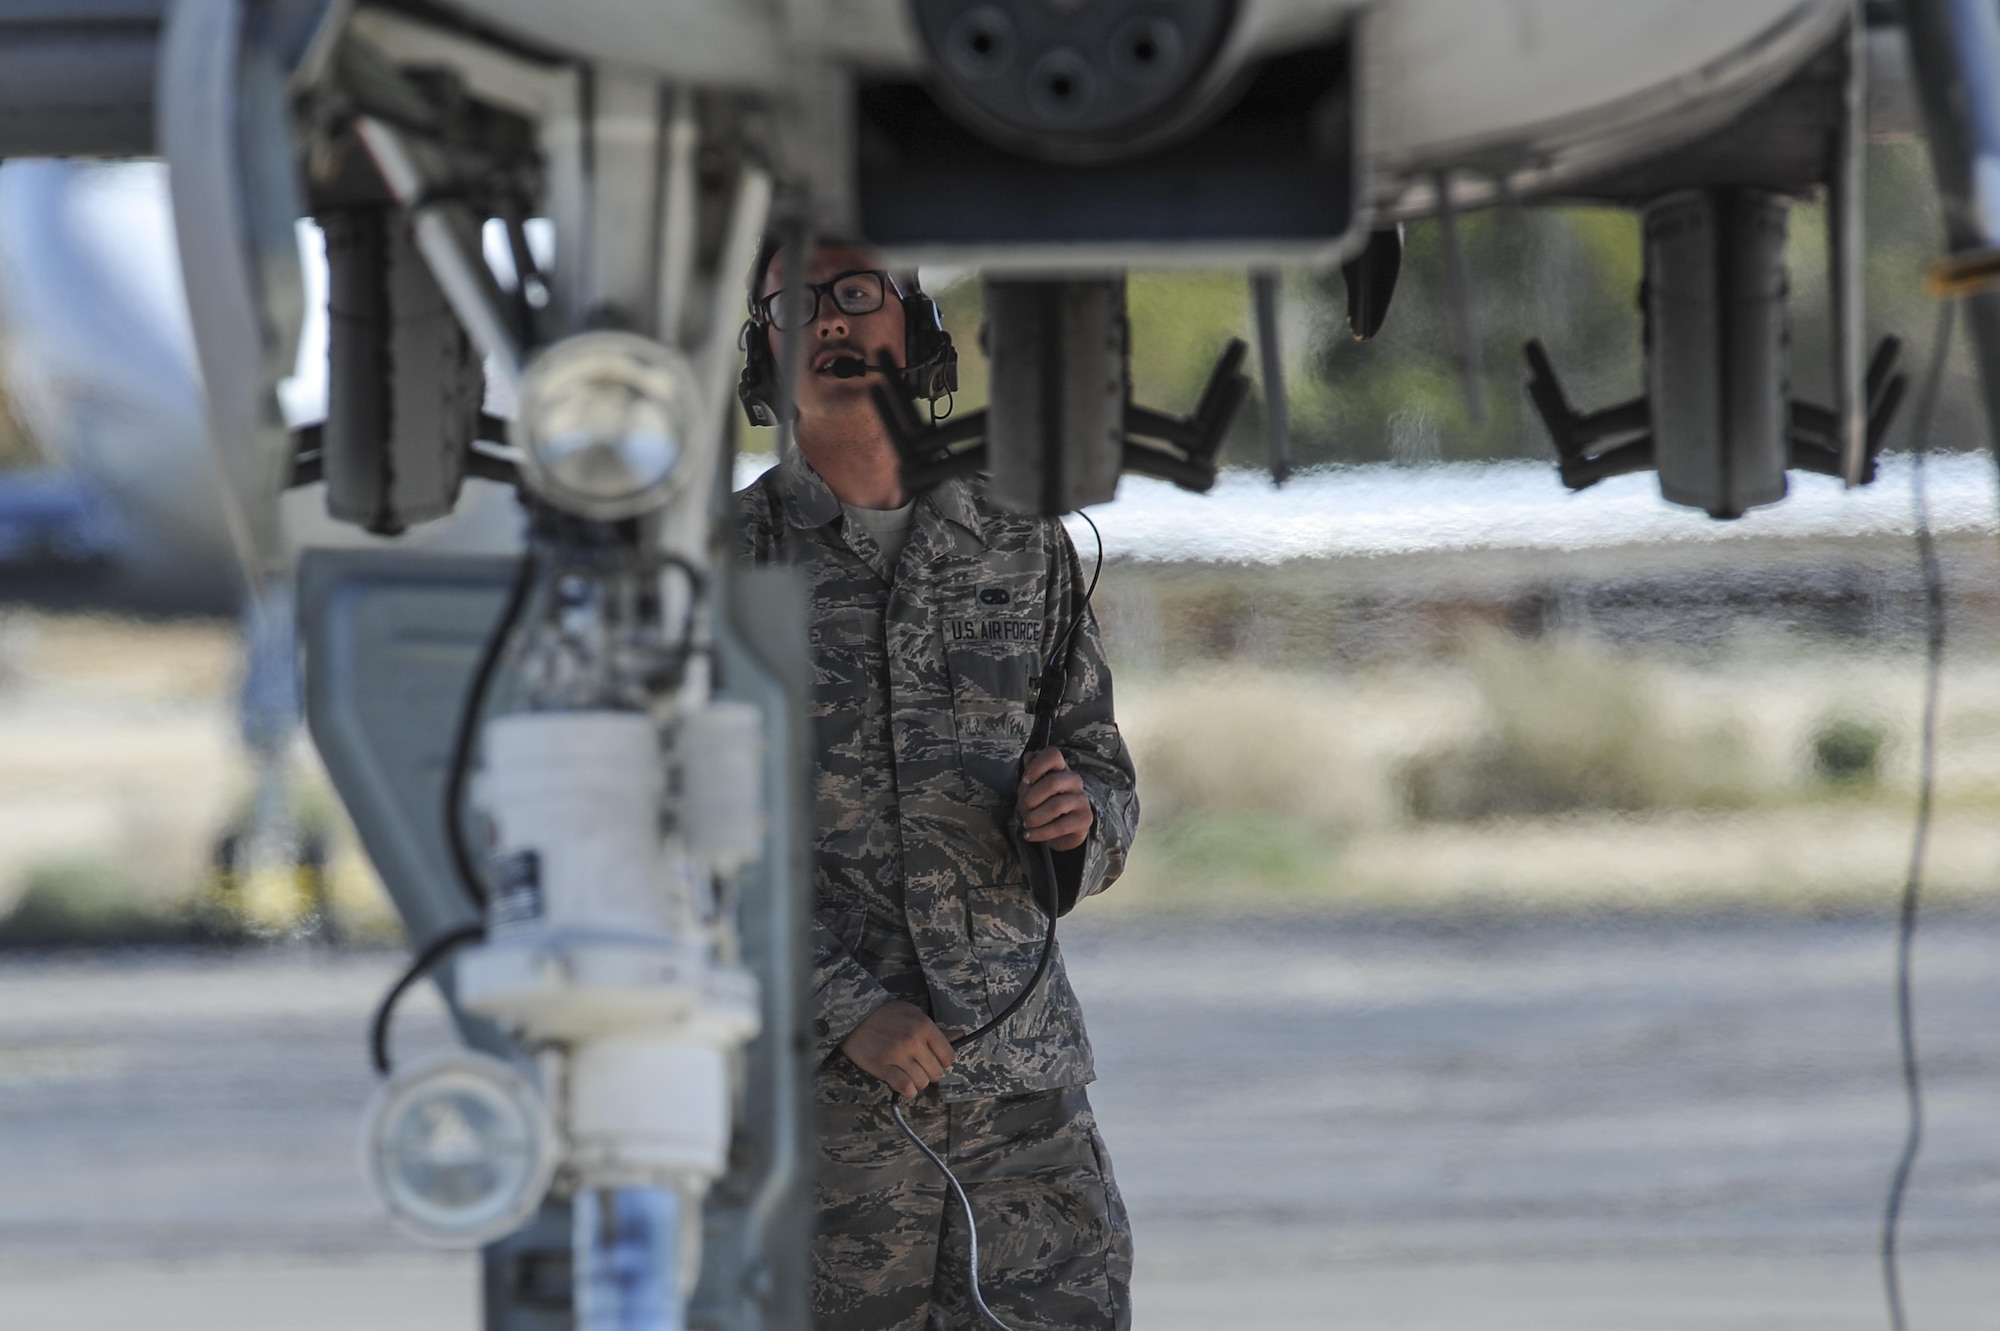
x=832, y=325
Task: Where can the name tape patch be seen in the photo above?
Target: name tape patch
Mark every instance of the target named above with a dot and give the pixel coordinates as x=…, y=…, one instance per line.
x=993, y=630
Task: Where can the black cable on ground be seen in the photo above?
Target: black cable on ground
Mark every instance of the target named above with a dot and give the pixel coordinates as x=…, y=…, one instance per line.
x=1906, y=930
x=378, y=1038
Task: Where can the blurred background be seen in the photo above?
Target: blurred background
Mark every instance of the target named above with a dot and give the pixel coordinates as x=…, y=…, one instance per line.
x=1508, y=939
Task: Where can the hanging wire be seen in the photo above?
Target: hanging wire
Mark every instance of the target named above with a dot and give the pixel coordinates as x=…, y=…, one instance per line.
x=1021, y=995
x=965, y=1203
x=1906, y=929
x=385, y=1011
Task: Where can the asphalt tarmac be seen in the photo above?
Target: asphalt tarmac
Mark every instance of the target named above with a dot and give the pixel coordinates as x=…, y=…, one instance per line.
x=1315, y=1124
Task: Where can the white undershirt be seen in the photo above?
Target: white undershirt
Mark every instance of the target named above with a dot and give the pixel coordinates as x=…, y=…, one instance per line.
x=889, y=526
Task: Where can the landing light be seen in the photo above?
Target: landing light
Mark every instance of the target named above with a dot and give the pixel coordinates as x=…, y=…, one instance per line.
x=460, y=1150
x=603, y=421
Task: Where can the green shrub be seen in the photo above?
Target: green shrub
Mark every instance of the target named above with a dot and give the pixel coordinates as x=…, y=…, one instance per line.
x=1574, y=728
x=81, y=901
x=1848, y=751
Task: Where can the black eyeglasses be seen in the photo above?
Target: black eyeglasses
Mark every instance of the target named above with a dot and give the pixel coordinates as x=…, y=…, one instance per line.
x=857, y=291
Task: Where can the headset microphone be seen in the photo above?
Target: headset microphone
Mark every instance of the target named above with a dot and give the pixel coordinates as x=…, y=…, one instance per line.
x=853, y=368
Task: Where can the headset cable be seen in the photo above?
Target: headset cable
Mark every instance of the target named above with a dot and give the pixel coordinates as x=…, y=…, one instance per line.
x=1906, y=928
x=1048, y=698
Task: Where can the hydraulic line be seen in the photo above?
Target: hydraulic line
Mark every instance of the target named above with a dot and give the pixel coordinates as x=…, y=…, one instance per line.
x=378, y=1030
x=458, y=772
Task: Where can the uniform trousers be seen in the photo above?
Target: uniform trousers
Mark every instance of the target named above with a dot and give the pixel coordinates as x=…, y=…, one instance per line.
x=1055, y=1247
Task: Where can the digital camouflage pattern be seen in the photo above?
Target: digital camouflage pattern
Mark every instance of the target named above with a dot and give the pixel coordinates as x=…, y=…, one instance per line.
x=924, y=680
x=1055, y=1251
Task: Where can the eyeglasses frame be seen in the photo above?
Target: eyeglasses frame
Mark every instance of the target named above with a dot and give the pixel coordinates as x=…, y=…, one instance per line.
x=761, y=310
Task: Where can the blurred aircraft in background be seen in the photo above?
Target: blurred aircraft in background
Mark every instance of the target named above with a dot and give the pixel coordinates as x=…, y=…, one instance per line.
x=98, y=361
x=126, y=516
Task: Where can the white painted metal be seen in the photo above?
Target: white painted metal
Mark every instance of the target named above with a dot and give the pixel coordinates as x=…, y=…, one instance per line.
x=580, y=791
x=602, y=942
x=644, y=1110
x=1537, y=92
x=1541, y=91
x=721, y=752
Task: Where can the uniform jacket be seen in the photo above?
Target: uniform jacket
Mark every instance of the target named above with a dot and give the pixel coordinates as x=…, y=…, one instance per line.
x=924, y=678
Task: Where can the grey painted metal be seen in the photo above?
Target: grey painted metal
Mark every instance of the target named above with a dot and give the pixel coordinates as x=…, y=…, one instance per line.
x=1056, y=424
x=1955, y=58
x=76, y=79
x=391, y=639
x=759, y=1220
x=1847, y=216
x=1715, y=358
x=1264, y=289
x=448, y=237
x=223, y=111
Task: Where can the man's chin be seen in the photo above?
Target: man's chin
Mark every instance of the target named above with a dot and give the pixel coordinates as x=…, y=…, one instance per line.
x=831, y=394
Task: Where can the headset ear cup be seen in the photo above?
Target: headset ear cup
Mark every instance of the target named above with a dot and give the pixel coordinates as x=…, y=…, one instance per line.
x=757, y=386
x=928, y=353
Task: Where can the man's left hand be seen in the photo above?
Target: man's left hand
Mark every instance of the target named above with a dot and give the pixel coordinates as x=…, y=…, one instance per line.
x=1054, y=809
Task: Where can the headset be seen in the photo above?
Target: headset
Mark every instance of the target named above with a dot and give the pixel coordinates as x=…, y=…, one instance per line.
x=930, y=361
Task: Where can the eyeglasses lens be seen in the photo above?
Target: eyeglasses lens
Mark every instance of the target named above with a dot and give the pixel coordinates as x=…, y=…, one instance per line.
x=858, y=293
x=853, y=293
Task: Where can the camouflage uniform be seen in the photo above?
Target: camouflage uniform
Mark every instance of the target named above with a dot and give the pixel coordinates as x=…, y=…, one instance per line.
x=924, y=678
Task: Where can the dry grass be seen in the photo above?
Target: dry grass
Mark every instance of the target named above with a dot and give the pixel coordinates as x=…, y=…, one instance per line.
x=1585, y=779
x=120, y=768
x=1649, y=784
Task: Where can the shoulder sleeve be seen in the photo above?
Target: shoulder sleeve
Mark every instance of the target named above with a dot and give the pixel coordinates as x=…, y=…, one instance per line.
x=758, y=520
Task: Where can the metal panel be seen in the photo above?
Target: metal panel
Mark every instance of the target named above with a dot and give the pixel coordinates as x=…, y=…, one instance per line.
x=759, y=1219
x=1715, y=359
x=76, y=79
x=391, y=640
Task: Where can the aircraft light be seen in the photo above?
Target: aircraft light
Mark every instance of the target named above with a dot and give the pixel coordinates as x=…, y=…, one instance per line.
x=603, y=421
x=460, y=1149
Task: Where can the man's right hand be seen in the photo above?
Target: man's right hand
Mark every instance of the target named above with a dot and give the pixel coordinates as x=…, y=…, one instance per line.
x=898, y=1044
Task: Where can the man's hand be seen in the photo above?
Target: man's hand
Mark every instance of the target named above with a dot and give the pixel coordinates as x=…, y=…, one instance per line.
x=1053, y=807
x=898, y=1044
